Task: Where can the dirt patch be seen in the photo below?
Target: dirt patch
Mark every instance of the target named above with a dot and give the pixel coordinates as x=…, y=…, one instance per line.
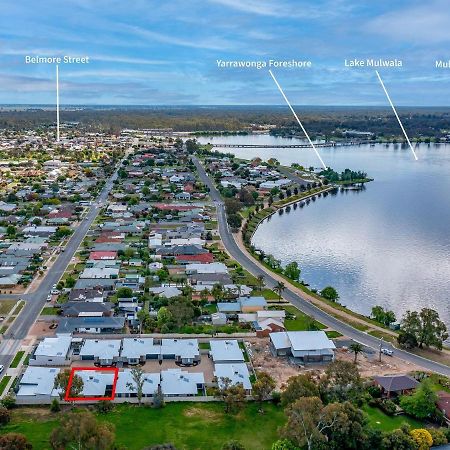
x=33, y=414
x=195, y=411
x=278, y=368
x=281, y=369
x=369, y=364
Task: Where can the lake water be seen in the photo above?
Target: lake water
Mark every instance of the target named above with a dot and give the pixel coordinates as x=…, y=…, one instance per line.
x=387, y=245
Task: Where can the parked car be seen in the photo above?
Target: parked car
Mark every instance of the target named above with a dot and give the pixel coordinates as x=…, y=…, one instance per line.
x=1, y=368
x=387, y=351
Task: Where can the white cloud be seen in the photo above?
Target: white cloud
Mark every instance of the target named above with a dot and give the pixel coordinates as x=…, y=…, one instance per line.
x=426, y=23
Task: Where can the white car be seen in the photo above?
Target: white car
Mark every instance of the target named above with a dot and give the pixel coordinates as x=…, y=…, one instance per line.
x=49, y=298
x=54, y=292
x=387, y=351
x=1, y=368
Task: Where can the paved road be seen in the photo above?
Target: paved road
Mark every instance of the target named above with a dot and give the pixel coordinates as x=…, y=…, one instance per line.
x=300, y=302
x=34, y=302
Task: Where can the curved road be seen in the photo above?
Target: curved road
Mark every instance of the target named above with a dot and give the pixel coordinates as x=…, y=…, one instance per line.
x=301, y=303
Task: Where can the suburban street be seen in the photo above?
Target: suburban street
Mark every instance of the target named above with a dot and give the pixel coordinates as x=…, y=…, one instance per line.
x=35, y=301
x=301, y=303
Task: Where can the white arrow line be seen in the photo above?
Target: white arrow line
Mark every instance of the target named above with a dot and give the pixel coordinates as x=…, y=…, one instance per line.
x=396, y=115
x=297, y=119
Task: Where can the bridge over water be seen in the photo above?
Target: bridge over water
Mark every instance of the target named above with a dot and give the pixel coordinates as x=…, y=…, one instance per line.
x=306, y=145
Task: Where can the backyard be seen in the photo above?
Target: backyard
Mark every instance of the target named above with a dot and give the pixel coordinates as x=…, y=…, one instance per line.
x=186, y=425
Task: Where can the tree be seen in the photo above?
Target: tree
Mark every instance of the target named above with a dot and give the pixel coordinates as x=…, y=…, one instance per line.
x=182, y=310
x=260, y=281
x=70, y=282
x=279, y=289
x=341, y=382
x=302, y=385
x=284, y=444
x=233, y=445
x=124, y=292
x=399, y=439
x=62, y=383
x=307, y=421
x=81, y=430
x=425, y=326
x=422, y=438
x=233, y=395
x=349, y=430
x=14, y=441
x=292, y=271
x=384, y=316
x=356, y=348
x=330, y=293
x=217, y=291
x=263, y=386
x=234, y=221
x=138, y=376
x=11, y=230
x=422, y=403
x=164, y=316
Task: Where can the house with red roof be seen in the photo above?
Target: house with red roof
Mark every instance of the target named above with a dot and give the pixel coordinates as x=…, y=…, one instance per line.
x=202, y=258
x=102, y=255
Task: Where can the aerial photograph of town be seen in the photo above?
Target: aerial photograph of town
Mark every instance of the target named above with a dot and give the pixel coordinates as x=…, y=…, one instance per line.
x=224, y=225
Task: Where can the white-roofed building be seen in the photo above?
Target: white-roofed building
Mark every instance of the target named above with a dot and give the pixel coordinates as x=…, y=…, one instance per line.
x=95, y=383
x=236, y=373
x=215, y=267
x=126, y=386
x=303, y=346
x=37, y=385
x=226, y=351
x=52, y=351
x=184, y=351
x=177, y=382
x=166, y=291
x=138, y=350
x=104, y=352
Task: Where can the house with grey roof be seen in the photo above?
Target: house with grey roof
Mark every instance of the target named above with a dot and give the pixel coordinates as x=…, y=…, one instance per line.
x=303, y=346
x=91, y=324
x=177, y=382
x=126, y=386
x=36, y=386
x=138, y=350
x=104, y=352
x=52, y=351
x=237, y=373
x=226, y=351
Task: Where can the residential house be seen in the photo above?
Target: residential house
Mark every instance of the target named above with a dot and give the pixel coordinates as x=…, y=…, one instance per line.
x=177, y=382
x=303, y=346
x=103, y=352
x=52, y=351
x=226, y=351
x=394, y=385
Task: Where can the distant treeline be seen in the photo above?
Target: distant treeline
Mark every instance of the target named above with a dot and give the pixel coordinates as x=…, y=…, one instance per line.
x=425, y=122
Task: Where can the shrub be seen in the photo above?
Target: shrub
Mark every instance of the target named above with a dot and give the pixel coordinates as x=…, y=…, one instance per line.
x=423, y=438
x=55, y=406
x=374, y=391
x=276, y=397
x=5, y=416
x=104, y=406
x=9, y=402
x=388, y=407
x=438, y=435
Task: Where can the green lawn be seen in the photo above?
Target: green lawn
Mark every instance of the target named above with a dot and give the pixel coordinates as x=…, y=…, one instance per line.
x=4, y=381
x=6, y=306
x=268, y=294
x=17, y=358
x=301, y=321
x=49, y=311
x=204, y=346
x=186, y=425
x=381, y=421
x=333, y=334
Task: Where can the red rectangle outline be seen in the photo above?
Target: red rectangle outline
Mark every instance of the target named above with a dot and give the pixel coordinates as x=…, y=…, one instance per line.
x=87, y=399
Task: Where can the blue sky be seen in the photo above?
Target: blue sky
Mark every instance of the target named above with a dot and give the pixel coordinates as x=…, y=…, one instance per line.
x=146, y=52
